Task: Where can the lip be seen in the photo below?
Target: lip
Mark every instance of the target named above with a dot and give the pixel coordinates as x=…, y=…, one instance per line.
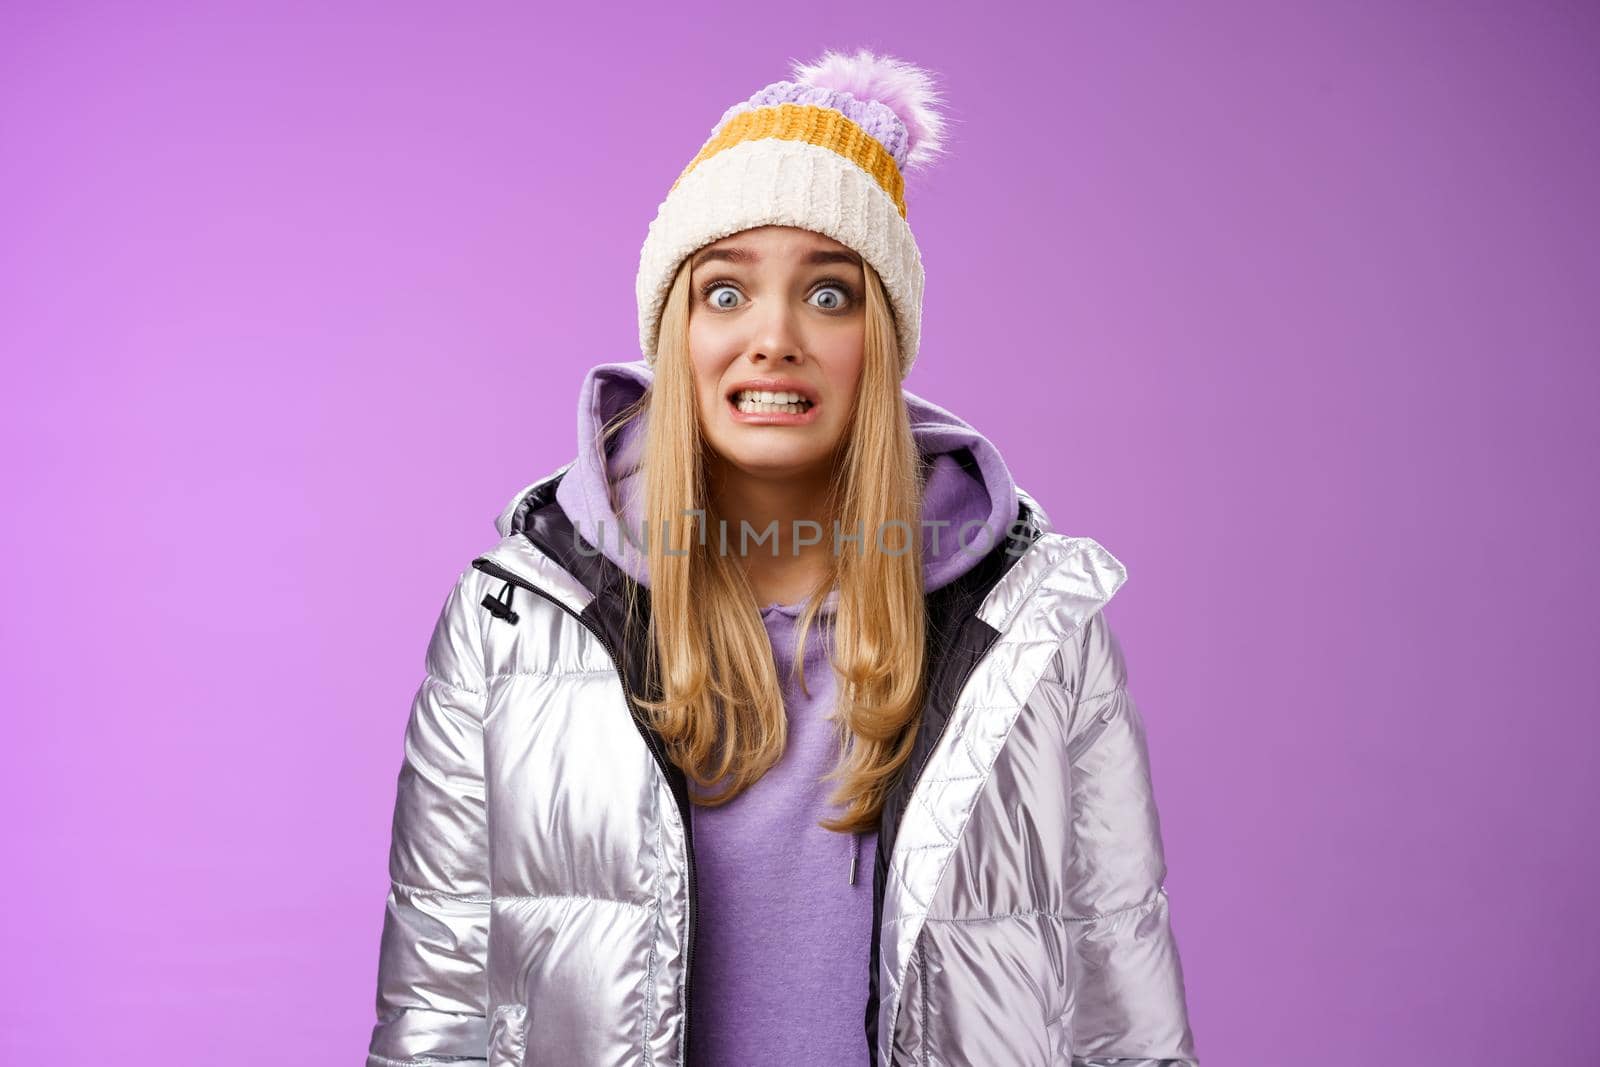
x=773, y=418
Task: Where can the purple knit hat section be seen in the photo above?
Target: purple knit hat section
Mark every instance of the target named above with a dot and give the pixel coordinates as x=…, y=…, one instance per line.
x=878, y=120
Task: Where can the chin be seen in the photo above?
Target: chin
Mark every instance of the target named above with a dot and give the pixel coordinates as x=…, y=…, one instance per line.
x=773, y=461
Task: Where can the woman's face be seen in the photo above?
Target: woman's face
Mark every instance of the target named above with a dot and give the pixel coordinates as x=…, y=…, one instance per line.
x=776, y=310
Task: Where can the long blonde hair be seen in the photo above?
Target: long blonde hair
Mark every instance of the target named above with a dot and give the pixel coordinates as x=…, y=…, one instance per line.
x=721, y=710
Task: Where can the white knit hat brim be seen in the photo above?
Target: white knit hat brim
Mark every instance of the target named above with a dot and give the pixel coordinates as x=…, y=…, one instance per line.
x=774, y=182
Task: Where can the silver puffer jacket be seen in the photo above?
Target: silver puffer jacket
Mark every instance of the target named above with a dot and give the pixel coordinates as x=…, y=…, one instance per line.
x=542, y=900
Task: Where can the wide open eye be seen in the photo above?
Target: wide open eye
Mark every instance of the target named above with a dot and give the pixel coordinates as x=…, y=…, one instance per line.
x=838, y=296
x=714, y=295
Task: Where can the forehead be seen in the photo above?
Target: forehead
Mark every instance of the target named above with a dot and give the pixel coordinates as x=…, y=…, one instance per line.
x=776, y=244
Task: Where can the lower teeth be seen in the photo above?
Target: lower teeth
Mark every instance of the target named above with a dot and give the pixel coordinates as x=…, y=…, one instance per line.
x=750, y=407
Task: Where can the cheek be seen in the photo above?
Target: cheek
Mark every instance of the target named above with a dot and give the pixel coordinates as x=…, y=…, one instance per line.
x=844, y=359
x=709, y=346
x=709, y=361
x=702, y=352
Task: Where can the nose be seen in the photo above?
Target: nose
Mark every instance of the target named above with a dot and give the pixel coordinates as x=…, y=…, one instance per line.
x=777, y=337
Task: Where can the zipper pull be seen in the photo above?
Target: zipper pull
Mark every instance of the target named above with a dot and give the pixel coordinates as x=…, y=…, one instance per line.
x=500, y=607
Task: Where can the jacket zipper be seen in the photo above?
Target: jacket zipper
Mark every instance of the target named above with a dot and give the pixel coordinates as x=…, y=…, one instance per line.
x=489, y=567
x=966, y=676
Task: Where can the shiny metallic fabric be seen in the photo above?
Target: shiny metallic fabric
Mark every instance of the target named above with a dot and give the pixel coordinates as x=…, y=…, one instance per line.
x=540, y=910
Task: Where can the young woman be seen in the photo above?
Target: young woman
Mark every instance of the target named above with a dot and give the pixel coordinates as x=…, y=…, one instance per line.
x=779, y=727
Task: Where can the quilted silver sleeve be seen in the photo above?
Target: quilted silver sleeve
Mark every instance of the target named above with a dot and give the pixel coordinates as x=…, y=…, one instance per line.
x=432, y=987
x=1129, y=1003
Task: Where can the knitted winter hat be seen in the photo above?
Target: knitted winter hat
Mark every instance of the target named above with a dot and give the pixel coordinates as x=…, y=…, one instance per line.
x=826, y=152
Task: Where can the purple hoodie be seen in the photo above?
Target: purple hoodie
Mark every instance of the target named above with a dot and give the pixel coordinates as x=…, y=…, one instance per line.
x=784, y=906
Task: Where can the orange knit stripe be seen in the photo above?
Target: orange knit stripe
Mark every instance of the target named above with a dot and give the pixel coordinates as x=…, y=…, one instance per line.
x=822, y=126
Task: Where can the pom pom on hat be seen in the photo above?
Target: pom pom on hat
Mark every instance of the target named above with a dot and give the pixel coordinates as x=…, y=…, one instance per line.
x=903, y=88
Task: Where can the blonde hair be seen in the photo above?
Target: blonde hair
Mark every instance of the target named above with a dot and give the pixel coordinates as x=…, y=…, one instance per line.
x=720, y=709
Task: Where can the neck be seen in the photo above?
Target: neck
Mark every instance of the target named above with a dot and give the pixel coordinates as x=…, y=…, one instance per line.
x=781, y=565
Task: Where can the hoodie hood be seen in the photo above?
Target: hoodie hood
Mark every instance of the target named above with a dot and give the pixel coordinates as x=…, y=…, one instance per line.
x=968, y=485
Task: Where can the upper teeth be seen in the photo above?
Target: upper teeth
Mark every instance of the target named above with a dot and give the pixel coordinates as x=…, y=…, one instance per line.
x=766, y=397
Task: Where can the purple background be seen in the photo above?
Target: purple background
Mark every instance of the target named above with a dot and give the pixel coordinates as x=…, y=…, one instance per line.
x=1292, y=307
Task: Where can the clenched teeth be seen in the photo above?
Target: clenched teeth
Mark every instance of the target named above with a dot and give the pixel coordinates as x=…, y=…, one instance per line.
x=761, y=401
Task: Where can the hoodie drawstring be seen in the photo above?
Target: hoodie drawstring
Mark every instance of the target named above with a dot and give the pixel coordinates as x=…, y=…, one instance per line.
x=855, y=854
x=500, y=607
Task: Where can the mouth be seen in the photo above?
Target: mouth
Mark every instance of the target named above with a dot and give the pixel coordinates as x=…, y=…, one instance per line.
x=772, y=407
x=770, y=402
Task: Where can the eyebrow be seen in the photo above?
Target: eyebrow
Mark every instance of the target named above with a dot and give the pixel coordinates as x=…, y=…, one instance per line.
x=748, y=255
